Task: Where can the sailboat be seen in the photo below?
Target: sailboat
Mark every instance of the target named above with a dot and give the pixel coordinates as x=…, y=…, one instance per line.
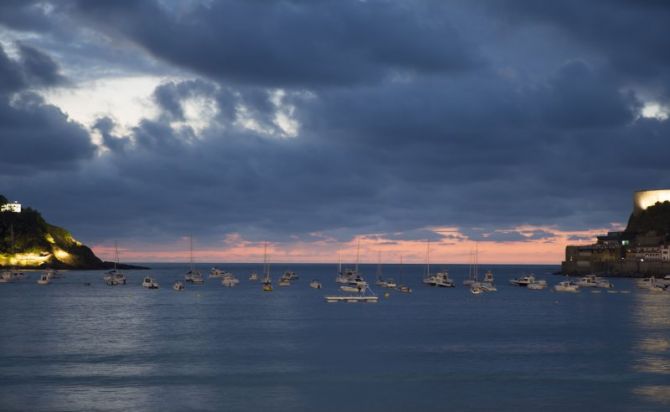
x=384, y=283
x=356, y=285
x=440, y=279
x=193, y=275
x=472, y=270
x=401, y=287
x=267, y=280
x=115, y=277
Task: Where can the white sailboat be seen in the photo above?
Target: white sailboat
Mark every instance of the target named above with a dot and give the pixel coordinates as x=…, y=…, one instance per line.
x=115, y=277
x=439, y=279
x=193, y=275
x=472, y=270
x=357, y=287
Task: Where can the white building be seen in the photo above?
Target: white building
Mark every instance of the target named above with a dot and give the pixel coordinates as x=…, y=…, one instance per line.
x=11, y=207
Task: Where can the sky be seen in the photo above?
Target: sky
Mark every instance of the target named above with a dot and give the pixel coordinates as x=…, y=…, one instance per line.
x=517, y=126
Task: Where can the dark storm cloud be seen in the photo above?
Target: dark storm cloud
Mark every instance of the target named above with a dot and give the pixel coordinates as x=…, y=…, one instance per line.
x=411, y=114
x=35, y=136
x=631, y=36
x=295, y=43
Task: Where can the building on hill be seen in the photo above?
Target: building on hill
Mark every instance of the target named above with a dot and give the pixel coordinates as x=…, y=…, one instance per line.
x=14, y=207
x=643, y=249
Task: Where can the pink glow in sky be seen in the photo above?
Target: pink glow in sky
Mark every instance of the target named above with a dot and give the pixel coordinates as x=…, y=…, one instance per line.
x=453, y=248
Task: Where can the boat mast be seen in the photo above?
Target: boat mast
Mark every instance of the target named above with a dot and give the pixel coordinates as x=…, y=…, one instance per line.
x=379, y=264
x=358, y=253
x=428, y=258
x=266, y=266
x=476, y=260
x=116, y=254
x=191, y=251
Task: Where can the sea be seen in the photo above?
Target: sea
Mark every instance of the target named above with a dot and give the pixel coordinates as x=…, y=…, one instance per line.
x=79, y=345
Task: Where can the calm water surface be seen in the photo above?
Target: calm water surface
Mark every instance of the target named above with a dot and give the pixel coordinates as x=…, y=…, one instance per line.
x=72, y=347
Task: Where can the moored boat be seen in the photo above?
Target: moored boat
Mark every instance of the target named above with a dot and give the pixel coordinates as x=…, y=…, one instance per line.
x=566, y=286
x=149, y=283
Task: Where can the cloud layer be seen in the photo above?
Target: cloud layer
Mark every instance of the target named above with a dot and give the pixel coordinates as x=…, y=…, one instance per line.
x=318, y=121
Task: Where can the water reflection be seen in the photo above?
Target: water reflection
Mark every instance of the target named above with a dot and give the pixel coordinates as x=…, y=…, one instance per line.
x=651, y=350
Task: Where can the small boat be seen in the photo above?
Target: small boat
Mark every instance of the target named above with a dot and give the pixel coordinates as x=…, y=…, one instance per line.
x=230, y=281
x=284, y=282
x=593, y=281
x=149, y=283
x=537, y=285
x=523, y=281
x=315, y=284
x=402, y=287
x=216, y=273
x=44, y=280
x=473, y=270
x=351, y=289
x=178, y=286
x=653, y=284
x=566, y=286
x=193, y=275
x=253, y=277
x=476, y=288
x=267, y=280
x=115, y=277
x=291, y=276
x=440, y=279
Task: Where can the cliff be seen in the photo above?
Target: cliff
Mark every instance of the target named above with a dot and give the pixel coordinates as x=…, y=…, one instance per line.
x=38, y=244
x=655, y=218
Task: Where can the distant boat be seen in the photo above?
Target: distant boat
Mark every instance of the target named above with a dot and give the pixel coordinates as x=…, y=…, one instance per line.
x=253, y=277
x=472, y=270
x=315, y=284
x=440, y=279
x=290, y=275
x=537, y=285
x=149, y=283
x=524, y=280
x=285, y=279
x=593, y=281
x=44, y=280
x=351, y=289
x=652, y=284
x=267, y=280
x=115, y=277
x=178, y=286
x=487, y=284
x=566, y=286
x=381, y=282
x=229, y=280
x=401, y=287
x=193, y=275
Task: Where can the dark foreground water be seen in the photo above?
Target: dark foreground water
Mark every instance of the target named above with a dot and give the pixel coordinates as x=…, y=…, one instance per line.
x=70, y=347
